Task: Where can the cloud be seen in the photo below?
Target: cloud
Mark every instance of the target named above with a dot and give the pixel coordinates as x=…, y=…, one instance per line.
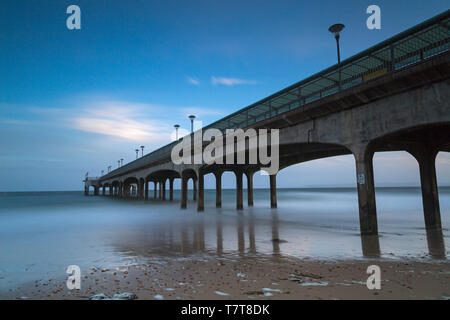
x=122, y=120
x=230, y=81
x=193, y=81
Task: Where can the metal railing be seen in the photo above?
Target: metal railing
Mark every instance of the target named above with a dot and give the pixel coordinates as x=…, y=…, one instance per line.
x=410, y=47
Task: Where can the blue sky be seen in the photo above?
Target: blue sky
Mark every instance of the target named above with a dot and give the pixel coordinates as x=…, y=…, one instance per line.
x=73, y=101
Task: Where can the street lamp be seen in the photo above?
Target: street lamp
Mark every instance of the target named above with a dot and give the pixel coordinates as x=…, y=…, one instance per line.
x=102, y=172
x=109, y=169
x=176, y=131
x=137, y=153
x=118, y=163
x=336, y=29
x=142, y=148
x=192, y=117
x=121, y=162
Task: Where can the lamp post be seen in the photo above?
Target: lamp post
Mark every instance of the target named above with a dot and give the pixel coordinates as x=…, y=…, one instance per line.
x=137, y=152
x=121, y=162
x=109, y=169
x=142, y=148
x=118, y=163
x=192, y=117
x=336, y=29
x=176, y=131
x=102, y=172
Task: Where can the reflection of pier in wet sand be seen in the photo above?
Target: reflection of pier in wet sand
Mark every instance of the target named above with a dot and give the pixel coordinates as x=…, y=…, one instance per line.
x=236, y=235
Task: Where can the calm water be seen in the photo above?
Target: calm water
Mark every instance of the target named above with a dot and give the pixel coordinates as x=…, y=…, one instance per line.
x=42, y=233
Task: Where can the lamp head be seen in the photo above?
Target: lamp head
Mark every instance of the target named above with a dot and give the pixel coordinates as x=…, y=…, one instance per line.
x=192, y=117
x=336, y=29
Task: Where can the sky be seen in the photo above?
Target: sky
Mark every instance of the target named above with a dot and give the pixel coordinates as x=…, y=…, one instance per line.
x=75, y=101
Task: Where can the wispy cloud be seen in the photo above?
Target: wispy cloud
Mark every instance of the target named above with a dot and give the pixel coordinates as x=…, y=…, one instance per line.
x=123, y=120
x=193, y=81
x=230, y=81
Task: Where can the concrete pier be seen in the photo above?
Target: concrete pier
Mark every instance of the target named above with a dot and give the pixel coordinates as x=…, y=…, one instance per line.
x=146, y=190
x=366, y=191
x=426, y=158
x=201, y=193
x=163, y=186
x=249, y=176
x=218, y=176
x=239, y=190
x=171, y=189
x=184, y=186
x=273, y=191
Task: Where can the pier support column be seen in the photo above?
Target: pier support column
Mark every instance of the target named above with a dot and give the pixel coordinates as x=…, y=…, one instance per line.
x=141, y=189
x=86, y=190
x=110, y=191
x=171, y=189
x=273, y=190
x=218, y=176
x=160, y=190
x=249, y=175
x=239, y=193
x=103, y=190
x=155, y=189
x=201, y=193
x=426, y=157
x=163, y=187
x=194, y=182
x=184, y=185
x=121, y=190
x=96, y=189
x=146, y=190
x=366, y=191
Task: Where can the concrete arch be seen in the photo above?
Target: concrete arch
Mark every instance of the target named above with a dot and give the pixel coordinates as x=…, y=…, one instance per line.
x=295, y=153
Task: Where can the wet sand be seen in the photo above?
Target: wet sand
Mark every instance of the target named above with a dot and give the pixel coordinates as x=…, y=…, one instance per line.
x=259, y=277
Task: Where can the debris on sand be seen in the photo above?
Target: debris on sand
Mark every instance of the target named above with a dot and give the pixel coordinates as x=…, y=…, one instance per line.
x=100, y=296
x=117, y=296
x=271, y=290
x=219, y=293
x=124, y=296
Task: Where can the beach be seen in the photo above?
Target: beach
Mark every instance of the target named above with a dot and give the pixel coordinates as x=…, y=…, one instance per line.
x=307, y=248
x=248, y=279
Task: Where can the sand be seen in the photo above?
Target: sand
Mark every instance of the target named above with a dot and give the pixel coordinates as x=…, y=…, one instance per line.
x=258, y=277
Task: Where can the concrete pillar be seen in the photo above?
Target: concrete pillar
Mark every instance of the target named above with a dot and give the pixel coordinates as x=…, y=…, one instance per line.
x=201, y=193
x=218, y=176
x=155, y=189
x=171, y=189
x=120, y=194
x=273, y=190
x=86, y=190
x=146, y=190
x=103, y=190
x=141, y=190
x=239, y=195
x=249, y=175
x=184, y=186
x=111, y=190
x=96, y=189
x=366, y=192
x=370, y=246
x=194, y=182
x=426, y=157
x=160, y=190
x=163, y=186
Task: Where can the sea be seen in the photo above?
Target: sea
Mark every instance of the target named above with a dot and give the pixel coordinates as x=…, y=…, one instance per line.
x=42, y=233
